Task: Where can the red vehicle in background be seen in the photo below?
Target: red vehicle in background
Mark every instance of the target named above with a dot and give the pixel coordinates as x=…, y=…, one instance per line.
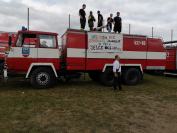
x=171, y=60
x=3, y=44
x=37, y=56
x=4, y=37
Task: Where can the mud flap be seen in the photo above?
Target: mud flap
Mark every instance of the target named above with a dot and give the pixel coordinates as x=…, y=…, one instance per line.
x=5, y=76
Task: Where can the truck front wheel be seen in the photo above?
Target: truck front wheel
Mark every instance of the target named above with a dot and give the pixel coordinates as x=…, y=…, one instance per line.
x=42, y=78
x=132, y=76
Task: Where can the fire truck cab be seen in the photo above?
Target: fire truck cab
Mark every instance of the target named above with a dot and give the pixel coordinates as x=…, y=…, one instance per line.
x=36, y=55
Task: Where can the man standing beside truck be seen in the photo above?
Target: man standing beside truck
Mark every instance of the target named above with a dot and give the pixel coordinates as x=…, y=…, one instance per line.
x=117, y=73
x=82, y=15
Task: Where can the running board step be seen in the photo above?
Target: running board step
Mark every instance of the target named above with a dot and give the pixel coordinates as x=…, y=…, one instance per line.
x=173, y=74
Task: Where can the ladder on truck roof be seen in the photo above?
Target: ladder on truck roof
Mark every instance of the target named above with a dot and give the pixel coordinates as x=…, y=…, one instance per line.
x=170, y=42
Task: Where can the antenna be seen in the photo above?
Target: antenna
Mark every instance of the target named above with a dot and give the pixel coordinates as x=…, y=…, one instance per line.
x=28, y=19
x=152, y=32
x=69, y=21
x=129, y=29
x=171, y=37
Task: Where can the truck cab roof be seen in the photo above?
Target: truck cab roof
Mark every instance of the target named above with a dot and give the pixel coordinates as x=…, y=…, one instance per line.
x=37, y=32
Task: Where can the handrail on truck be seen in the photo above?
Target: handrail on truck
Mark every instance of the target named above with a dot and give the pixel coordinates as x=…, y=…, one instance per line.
x=170, y=42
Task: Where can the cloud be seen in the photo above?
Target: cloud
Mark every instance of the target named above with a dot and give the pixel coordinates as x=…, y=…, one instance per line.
x=52, y=15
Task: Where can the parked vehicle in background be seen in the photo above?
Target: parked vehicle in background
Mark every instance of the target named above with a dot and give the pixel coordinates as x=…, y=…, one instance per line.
x=171, y=60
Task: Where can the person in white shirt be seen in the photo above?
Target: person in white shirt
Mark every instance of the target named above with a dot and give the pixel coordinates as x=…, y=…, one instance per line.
x=117, y=73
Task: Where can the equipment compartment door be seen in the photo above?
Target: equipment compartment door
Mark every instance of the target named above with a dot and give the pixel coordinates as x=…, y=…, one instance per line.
x=76, y=50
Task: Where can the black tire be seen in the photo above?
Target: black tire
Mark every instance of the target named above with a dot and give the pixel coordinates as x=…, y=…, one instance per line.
x=1, y=67
x=42, y=78
x=95, y=76
x=132, y=76
x=107, y=77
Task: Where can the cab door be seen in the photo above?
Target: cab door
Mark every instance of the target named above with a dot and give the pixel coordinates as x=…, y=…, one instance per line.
x=23, y=53
x=48, y=51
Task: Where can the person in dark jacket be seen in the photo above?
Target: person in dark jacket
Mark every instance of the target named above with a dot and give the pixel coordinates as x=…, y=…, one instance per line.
x=109, y=23
x=91, y=20
x=82, y=15
x=117, y=23
x=100, y=20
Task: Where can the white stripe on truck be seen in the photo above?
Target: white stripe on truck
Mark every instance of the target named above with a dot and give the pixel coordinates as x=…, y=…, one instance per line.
x=16, y=52
x=80, y=53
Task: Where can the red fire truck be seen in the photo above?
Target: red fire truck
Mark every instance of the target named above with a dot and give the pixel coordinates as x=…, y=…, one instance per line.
x=37, y=56
x=171, y=60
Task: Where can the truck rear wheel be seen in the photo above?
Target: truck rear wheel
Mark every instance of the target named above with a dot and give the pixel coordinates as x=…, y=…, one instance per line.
x=95, y=76
x=107, y=77
x=132, y=76
x=42, y=78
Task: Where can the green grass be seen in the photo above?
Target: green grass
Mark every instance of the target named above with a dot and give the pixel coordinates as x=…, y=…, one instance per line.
x=87, y=107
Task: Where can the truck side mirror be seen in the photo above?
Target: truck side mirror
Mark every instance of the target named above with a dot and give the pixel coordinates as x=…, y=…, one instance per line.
x=10, y=41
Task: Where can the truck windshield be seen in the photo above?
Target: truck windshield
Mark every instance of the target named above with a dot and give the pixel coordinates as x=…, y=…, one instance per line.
x=19, y=41
x=26, y=39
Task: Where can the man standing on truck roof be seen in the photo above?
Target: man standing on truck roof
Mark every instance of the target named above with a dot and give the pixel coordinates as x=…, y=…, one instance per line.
x=117, y=23
x=91, y=20
x=117, y=73
x=109, y=23
x=100, y=20
x=82, y=15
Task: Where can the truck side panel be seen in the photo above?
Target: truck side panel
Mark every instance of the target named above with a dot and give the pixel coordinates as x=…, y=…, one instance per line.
x=133, y=52
x=76, y=50
x=148, y=52
x=156, y=56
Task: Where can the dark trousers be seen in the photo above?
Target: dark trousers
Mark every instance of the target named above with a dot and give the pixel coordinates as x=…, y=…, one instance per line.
x=117, y=29
x=83, y=22
x=117, y=81
x=91, y=28
x=100, y=25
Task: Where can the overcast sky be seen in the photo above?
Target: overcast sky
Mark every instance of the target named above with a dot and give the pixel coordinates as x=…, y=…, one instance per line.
x=52, y=15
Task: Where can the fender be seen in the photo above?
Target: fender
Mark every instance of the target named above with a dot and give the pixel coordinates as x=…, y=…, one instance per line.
x=122, y=65
x=41, y=64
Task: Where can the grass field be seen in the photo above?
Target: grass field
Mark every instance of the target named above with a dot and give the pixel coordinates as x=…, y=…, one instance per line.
x=84, y=106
